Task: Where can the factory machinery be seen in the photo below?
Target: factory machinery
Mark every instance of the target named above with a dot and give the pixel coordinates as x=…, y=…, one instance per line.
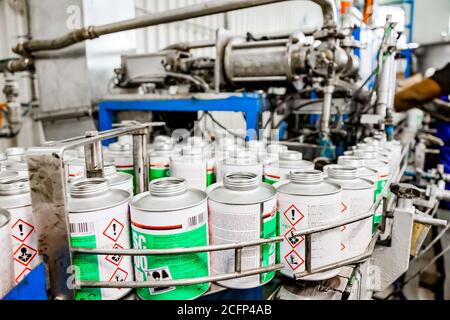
x=299, y=213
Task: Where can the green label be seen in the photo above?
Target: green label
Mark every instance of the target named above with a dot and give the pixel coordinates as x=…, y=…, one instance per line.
x=378, y=215
x=172, y=267
x=158, y=173
x=88, y=265
x=269, y=251
x=210, y=178
x=270, y=181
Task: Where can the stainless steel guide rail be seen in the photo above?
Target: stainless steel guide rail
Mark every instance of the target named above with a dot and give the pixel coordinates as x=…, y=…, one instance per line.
x=49, y=198
x=48, y=184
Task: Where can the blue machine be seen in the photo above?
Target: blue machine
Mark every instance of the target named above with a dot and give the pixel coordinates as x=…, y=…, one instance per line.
x=252, y=104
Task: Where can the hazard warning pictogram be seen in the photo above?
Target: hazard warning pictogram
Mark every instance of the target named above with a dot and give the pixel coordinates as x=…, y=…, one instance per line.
x=21, y=230
x=343, y=228
x=115, y=259
x=24, y=254
x=294, y=260
x=343, y=247
x=293, y=215
x=344, y=208
x=22, y=275
x=292, y=239
x=119, y=276
x=113, y=230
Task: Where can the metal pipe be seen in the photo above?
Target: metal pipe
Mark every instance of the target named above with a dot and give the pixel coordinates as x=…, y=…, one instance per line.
x=179, y=282
x=140, y=160
x=238, y=260
x=93, y=32
x=157, y=252
x=427, y=220
x=326, y=107
x=194, y=11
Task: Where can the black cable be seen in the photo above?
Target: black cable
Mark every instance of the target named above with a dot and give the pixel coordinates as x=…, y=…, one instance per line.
x=223, y=127
x=295, y=109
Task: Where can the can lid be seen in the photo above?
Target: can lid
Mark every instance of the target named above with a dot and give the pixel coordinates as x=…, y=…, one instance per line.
x=276, y=148
x=17, y=166
x=168, y=194
x=5, y=217
x=342, y=172
x=117, y=147
x=163, y=139
x=241, y=158
x=8, y=175
x=83, y=191
x=163, y=146
x=241, y=188
x=89, y=188
x=14, y=186
x=352, y=161
x=308, y=183
x=241, y=181
x=192, y=151
x=16, y=151
x=291, y=156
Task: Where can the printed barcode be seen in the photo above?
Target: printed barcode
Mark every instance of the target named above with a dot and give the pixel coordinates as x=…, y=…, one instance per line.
x=196, y=220
x=83, y=227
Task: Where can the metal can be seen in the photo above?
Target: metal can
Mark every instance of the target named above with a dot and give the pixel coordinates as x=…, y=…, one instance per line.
x=356, y=162
x=195, y=166
x=3, y=161
x=6, y=253
x=308, y=201
x=170, y=216
x=122, y=156
x=15, y=197
x=242, y=208
x=15, y=154
x=18, y=166
x=384, y=170
x=118, y=180
x=98, y=218
x=280, y=170
x=160, y=160
x=240, y=161
x=75, y=169
x=357, y=200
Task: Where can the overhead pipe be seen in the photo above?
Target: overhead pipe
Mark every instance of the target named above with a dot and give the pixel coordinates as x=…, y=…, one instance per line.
x=194, y=11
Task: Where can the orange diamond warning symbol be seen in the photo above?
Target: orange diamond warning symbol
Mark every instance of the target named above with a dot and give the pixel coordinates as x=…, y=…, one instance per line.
x=292, y=239
x=294, y=260
x=293, y=215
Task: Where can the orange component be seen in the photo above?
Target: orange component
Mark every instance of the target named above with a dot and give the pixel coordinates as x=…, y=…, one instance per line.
x=345, y=5
x=367, y=10
x=2, y=107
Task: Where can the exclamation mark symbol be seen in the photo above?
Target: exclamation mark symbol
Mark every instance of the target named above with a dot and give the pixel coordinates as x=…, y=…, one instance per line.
x=114, y=228
x=21, y=229
x=293, y=214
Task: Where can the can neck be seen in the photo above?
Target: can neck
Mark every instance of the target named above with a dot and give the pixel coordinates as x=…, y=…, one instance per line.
x=241, y=181
x=343, y=173
x=89, y=188
x=306, y=177
x=351, y=161
x=291, y=156
x=168, y=187
x=109, y=170
x=14, y=186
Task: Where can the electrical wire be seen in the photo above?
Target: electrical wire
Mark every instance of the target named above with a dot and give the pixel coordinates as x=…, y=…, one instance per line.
x=295, y=109
x=223, y=127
